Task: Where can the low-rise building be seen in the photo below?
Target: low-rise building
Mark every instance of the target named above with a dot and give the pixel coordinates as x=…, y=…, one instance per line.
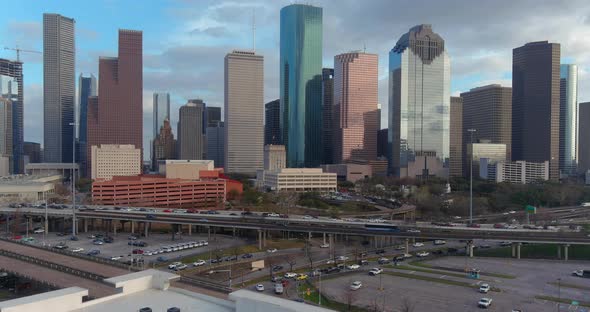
x=26, y=188
x=275, y=157
x=184, y=169
x=44, y=169
x=109, y=160
x=349, y=172
x=299, y=180
x=523, y=172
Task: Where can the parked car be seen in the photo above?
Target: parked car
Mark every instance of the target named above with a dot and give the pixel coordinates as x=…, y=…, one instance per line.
x=277, y=268
x=383, y=261
x=259, y=287
x=356, y=285
x=79, y=249
x=353, y=267
x=484, y=288
x=302, y=277
x=199, y=263
x=484, y=303
x=272, y=250
x=290, y=275
x=39, y=231
x=278, y=288
x=137, y=252
x=422, y=254
x=132, y=237
x=173, y=265
x=181, y=267
x=247, y=256
x=325, y=245
x=363, y=262
x=439, y=242
x=74, y=238
x=418, y=244
x=375, y=271
x=341, y=258
x=97, y=242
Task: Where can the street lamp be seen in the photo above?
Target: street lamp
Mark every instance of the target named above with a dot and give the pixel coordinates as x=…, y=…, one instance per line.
x=559, y=294
x=73, y=177
x=471, y=131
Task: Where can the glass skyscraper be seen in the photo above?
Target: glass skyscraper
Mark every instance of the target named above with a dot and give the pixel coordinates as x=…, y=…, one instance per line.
x=86, y=89
x=568, y=118
x=419, y=104
x=301, y=84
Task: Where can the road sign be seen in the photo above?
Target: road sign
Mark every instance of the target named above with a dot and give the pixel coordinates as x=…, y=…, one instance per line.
x=575, y=303
x=530, y=209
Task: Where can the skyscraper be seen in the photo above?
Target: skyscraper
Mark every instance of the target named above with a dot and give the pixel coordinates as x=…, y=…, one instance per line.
x=584, y=137
x=216, y=143
x=213, y=114
x=488, y=110
x=456, y=137
x=161, y=111
x=327, y=112
x=244, y=112
x=272, y=119
x=86, y=89
x=535, y=104
x=11, y=72
x=419, y=104
x=6, y=134
x=59, y=60
x=116, y=115
x=191, y=130
x=568, y=118
x=356, y=120
x=382, y=143
x=301, y=84
x=164, y=145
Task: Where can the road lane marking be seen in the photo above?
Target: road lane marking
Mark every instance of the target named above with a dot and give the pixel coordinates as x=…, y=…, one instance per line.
x=442, y=276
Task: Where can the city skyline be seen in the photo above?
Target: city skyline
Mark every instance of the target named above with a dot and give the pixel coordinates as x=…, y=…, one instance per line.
x=227, y=26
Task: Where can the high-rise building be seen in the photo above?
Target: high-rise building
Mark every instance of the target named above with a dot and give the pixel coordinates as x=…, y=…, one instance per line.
x=456, y=138
x=419, y=104
x=59, y=81
x=568, y=118
x=272, y=119
x=116, y=115
x=191, y=130
x=584, y=137
x=11, y=73
x=382, y=143
x=6, y=135
x=161, y=111
x=216, y=143
x=488, y=110
x=32, y=152
x=327, y=112
x=109, y=160
x=356, y=120
x=535, y=104
x=213, y=114
x=301, y=84
x=244, y=112
x=86, y=89
x=274, y=157
x=164, y=145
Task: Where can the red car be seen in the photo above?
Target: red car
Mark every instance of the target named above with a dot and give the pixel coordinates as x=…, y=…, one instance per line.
x=168, y=210
x=137, y=251
x=499, y=226
x=474, y=225
x=192, y=211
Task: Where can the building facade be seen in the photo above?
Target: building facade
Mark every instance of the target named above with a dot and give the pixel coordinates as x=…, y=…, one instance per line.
x=216, y=143
x=6, y=135
x=161, y=111
x=213, y=114
x=522, y=172
x=116, y=115
x=164, y=145
x=86, y=89
x=272, y=120
x=109, y=160
x=456, y=138
x=492, y=152
x=568, y=119
x=32, y=152
x=300, y=84
x=11, y=75
x=419, y=103
x=59, y=70
x=275, y=157
x=584, y=137
x=535, y=104
x=244, y=112
x=327, y=112
x=382, y=143
x=355, y=119
x=300, y=180
x=191, y=130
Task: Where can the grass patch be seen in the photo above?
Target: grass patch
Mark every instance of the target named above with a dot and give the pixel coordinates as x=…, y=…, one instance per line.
x=313, y=297
x=409, y=268
x=429, y=266
x=537, y=251
x=437, y=280
x=285, y=244
x=566, y=285
x=563, y=300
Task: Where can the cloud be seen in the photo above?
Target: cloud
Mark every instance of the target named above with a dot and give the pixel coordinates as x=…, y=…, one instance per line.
x=217, y=31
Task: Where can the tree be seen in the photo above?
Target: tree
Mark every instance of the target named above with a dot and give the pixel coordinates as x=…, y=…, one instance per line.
x=407, y=305
x=307, y=249
x=350, y=298
x=291, y=260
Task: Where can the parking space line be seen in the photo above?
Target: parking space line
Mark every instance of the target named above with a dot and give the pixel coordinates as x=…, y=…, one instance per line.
x=442, y=276
x=412, y=272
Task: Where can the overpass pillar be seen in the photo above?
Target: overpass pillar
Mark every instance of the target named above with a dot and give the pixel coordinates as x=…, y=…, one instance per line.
x=470, y=247
x=233, y=232
x=260, y=239
x=85, y=225
x=208, y=233
x=132, y=227
x=518, y=250
x=309, y=236
x=407, y=245
x=558, y=251
x=566, y=251
x=324, y=238
x=114, y=227
x=190, y=229
x=513, y=250
x=146, y=229
x=264, y=237
x=46, y=225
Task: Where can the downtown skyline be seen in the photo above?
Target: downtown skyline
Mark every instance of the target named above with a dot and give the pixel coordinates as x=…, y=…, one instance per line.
x=201, y=35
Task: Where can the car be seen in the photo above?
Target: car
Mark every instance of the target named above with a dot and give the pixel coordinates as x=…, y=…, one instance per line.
x=413, y=231
x=418, y=244
x=277, y=268
x=439, y=242
x=290, y=275
x=325, y=246
x=400, y=247
x=302, y=277
x=132, y=237
x=375, y=271
x=279, y=288
x=161, y=259
x=356, y=285
x=148, y=253
x=61, y=246
x=274, y=215
x=173, y=265
x=39, y=231
x=307, y=217
x=485, y=246
x=108, y=239
x=330, y=261
x=473, y=225
x=505, y=244
x=353, y=267
x=512, y=227
x=484, y=303
x=93, y=252
x=259, y=287
x=246, y=256
x=383, y=261
x=363, y=262
x=511, y=212
x=181, y=267
x=60, y=234
x=499, y=226
x=168, y=210
x=115, y=258
x=341, y=258
x=199, y=263
x=79, y=249
x=272, y=250
x=97, y=242
x=380, y=251
x=74, y=238
x=137, y=252
x=422, y=254
x=484, y=288
x=407, y=255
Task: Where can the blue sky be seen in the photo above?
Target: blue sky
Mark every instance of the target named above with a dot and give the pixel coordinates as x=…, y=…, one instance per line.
x=185, y=41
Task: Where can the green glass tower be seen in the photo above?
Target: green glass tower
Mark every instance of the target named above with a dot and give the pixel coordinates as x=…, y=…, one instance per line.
x=301, y=84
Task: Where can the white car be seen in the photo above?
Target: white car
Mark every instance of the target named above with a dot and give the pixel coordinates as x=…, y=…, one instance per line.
x=199, y=263
x=148, y=253
x=260, y=287
x=274, y=215
x=356, y=285
x=173, y=265
x=407, y=255
x=290, y=275
x=79, y=249
x=307, y=217
x=422, y=254
x=181, y=267
x=341, y=258
x=511, y=212
x=330, y=262
x=353, y=267
x=484, y=288
x=39, y=231
x=272, y=250
x=413, y=231
x=418, y=245
x=484, y=303
x=115, y=258
x=325, y=245
x=205, y=243
x=439, y=242
x=375, y=271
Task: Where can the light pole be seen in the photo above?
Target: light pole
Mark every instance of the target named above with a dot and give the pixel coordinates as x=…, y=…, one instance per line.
x=320, y=291
x=73, y=177
x=559, y=294
x=471, y=131
x=46, y=221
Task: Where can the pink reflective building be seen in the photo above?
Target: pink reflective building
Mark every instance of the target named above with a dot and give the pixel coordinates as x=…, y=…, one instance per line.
x=356, y=117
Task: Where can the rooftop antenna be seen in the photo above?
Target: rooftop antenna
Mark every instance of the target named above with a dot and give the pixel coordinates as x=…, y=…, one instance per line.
x=364, y=47
x=253, y=30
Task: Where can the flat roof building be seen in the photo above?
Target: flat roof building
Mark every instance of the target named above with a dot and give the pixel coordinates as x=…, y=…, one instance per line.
x=27, y=187
x=275, y=157
x=522, y=172
x=43, y=169
x=184, y=169
x=300, y=180
x=111, y=160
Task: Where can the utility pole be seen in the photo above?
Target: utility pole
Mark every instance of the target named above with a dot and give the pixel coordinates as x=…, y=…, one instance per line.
x=471, y=131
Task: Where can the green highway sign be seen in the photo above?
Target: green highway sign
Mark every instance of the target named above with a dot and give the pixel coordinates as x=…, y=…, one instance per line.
x=530, y=209
x=575, y=303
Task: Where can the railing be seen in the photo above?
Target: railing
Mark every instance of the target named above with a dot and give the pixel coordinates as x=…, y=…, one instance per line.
x=205, y=283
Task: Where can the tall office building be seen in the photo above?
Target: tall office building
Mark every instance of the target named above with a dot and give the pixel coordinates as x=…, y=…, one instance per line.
x=419, y=104
x=568, y=118
x=301, y=84
x=116, y=115
x=584, y=137
x=213, y=115
x=86, y=89
x=32, y=152
x=327, y=112
x=161, y=111
x=382, y=143
x=216, y=144
x=272, y=119
x=488, y=110
x=191, y=130
x=164, y=145
x=11, y=73
x=535, y=104
x=244, y=112
x=356, y=120
x=456, y=138
x=59, y=81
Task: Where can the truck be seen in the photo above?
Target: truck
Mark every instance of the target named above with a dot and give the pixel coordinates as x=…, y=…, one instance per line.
x=582, y=273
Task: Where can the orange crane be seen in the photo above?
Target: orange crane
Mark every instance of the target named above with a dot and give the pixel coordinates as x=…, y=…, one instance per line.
x=19, y=50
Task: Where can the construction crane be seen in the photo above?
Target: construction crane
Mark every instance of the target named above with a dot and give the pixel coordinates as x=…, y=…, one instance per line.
x=18, y=51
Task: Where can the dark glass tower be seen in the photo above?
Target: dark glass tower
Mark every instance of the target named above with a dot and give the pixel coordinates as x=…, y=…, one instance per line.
x=87, y=88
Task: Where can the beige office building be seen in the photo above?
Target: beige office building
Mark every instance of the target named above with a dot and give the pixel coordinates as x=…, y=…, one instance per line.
x=244, y=112
x=275, y=157
x=110, y=160
x=184, y=169
x=523, y=172
x=300, y=180
x=27, y=188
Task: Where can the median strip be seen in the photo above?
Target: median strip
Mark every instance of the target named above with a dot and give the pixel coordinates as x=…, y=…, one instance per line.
x=425, y=265
x=566, y=285
x=437, y=280
x=564, y=300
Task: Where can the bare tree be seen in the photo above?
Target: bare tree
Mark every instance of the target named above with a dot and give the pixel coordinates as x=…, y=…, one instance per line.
x=407, y=305
x=291, y=260
x=286, y=200
x=308, y=254
x=350, y=298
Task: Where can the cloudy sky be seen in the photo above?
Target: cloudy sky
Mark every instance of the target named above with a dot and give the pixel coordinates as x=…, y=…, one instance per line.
x=185, y=41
